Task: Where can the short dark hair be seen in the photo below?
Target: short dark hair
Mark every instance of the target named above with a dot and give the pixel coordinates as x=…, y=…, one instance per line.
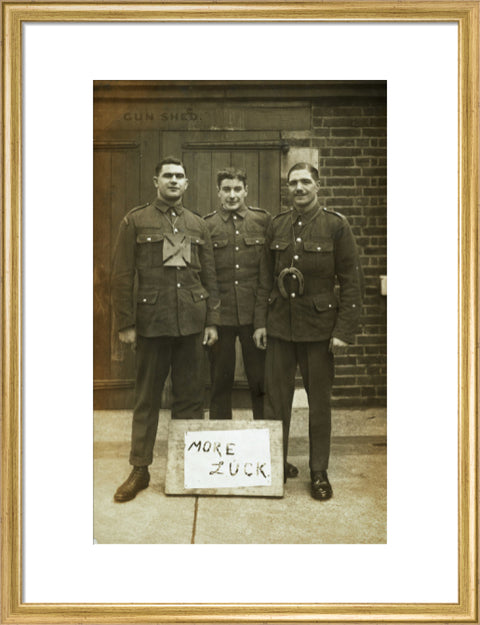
x=313, y=170
x=229, y=173
x=169, y=160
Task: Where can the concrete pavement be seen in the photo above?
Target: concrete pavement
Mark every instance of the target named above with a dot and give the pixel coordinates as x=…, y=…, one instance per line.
x=357, y=513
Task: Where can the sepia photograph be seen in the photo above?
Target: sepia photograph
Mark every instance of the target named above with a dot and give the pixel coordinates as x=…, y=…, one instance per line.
x=200, y=368
x=240, y=282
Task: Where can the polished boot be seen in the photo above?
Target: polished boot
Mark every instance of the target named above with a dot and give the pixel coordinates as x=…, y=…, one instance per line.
x=138, y=479
x=289, y=470
x=321, y=487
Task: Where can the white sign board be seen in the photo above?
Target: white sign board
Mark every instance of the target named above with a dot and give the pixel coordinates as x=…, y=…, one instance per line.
x=242, y=458
x=227, y=458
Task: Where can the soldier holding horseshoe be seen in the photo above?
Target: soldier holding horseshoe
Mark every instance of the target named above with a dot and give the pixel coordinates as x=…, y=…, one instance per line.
x=298, y=317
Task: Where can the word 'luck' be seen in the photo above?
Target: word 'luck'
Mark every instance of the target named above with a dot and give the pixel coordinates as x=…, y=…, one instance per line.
x=248, y=468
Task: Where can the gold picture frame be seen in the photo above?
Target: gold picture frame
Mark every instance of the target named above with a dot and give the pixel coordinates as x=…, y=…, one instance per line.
x=466, y=15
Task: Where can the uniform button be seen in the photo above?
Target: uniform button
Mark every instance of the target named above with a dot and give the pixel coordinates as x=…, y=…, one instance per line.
x=196, y=240
x=299, y=240
x=292, y=295
x=299, y=223
x=276, y=246
x=175, y=230
x=296, y=257
x=329, y=305
x=236, y=281
x=178, y=285
x=294, y=277
x=318, y=247
x=174, y=214
x=178, y=268
x=237, y=266
x=215, y=245
x=144, y=299
x=236, y=248
x=149, y=238
x=237, y=232
x=234, y=216
x=257, y=241
x=201, y=296
x=353, y=306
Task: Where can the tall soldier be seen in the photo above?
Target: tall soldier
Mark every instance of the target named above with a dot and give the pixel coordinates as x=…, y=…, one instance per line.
x=164, y=255
x=307, y=248
x=238, y=235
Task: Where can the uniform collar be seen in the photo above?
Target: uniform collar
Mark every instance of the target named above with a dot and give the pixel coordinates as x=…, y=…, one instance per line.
x=241, y=212
x=307, y=215
x=164, y=207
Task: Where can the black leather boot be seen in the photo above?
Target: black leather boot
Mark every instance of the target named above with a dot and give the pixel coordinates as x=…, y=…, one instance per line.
x=290, y=470
x=138, y=479
x=321, y=487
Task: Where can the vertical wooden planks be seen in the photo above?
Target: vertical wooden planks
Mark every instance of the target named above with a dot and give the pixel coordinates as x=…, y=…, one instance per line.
x=101, y=269
x=250, y=165
x=126, y=183
x=220, y=160
x=202, y=181
x=150, y=155
x=269, y=180
x=190, y=197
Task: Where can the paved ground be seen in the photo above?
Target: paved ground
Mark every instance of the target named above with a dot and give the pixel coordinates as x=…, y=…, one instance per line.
x=357, y=513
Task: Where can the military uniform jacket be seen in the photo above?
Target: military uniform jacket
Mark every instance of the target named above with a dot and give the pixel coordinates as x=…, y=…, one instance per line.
x=238, y=238
x=321, y=245
x=166, y=300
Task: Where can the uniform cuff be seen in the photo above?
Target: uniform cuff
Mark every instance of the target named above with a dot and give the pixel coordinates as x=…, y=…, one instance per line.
x=347, y=338
x=213, y=318
x=125, y=322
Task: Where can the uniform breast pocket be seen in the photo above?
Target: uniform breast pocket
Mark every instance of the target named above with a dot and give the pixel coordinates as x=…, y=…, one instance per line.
x=150, y=249
x=254, y=245
x=196, y=246
x=280, y=247
x=319, y=256
x=220, y=251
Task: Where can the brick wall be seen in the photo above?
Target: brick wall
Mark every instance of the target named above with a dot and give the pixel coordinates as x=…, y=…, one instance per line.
x=351, y=139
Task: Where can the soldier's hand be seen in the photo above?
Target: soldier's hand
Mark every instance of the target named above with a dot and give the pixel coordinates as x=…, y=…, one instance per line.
x=128, y=336
x=336, y=345
x=210, y=336
x=260, y=338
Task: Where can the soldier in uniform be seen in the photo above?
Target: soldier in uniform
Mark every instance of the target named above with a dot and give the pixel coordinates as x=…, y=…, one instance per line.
x=238, y=236
x=164, y=260
x=307, y=249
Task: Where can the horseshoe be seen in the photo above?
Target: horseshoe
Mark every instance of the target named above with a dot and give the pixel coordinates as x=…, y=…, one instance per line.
x=294, y=272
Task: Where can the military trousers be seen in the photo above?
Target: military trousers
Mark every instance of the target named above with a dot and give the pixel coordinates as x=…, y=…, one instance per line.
x=155, y=357
x=317, y=370
x=222, y=367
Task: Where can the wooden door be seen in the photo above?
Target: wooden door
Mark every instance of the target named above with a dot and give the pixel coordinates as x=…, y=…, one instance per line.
x=124, y=166
x=204, y=153
x=116, y=190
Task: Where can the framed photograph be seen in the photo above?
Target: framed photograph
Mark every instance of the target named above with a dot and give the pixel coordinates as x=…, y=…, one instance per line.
x=261, y=130
x=360, y=89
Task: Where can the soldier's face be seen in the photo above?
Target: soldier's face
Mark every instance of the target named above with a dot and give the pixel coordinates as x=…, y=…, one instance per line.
x=302, y=187
x=171, y=182
x=232, y=193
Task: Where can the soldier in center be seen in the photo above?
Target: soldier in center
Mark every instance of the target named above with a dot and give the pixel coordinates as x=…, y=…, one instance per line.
x=238, y=235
